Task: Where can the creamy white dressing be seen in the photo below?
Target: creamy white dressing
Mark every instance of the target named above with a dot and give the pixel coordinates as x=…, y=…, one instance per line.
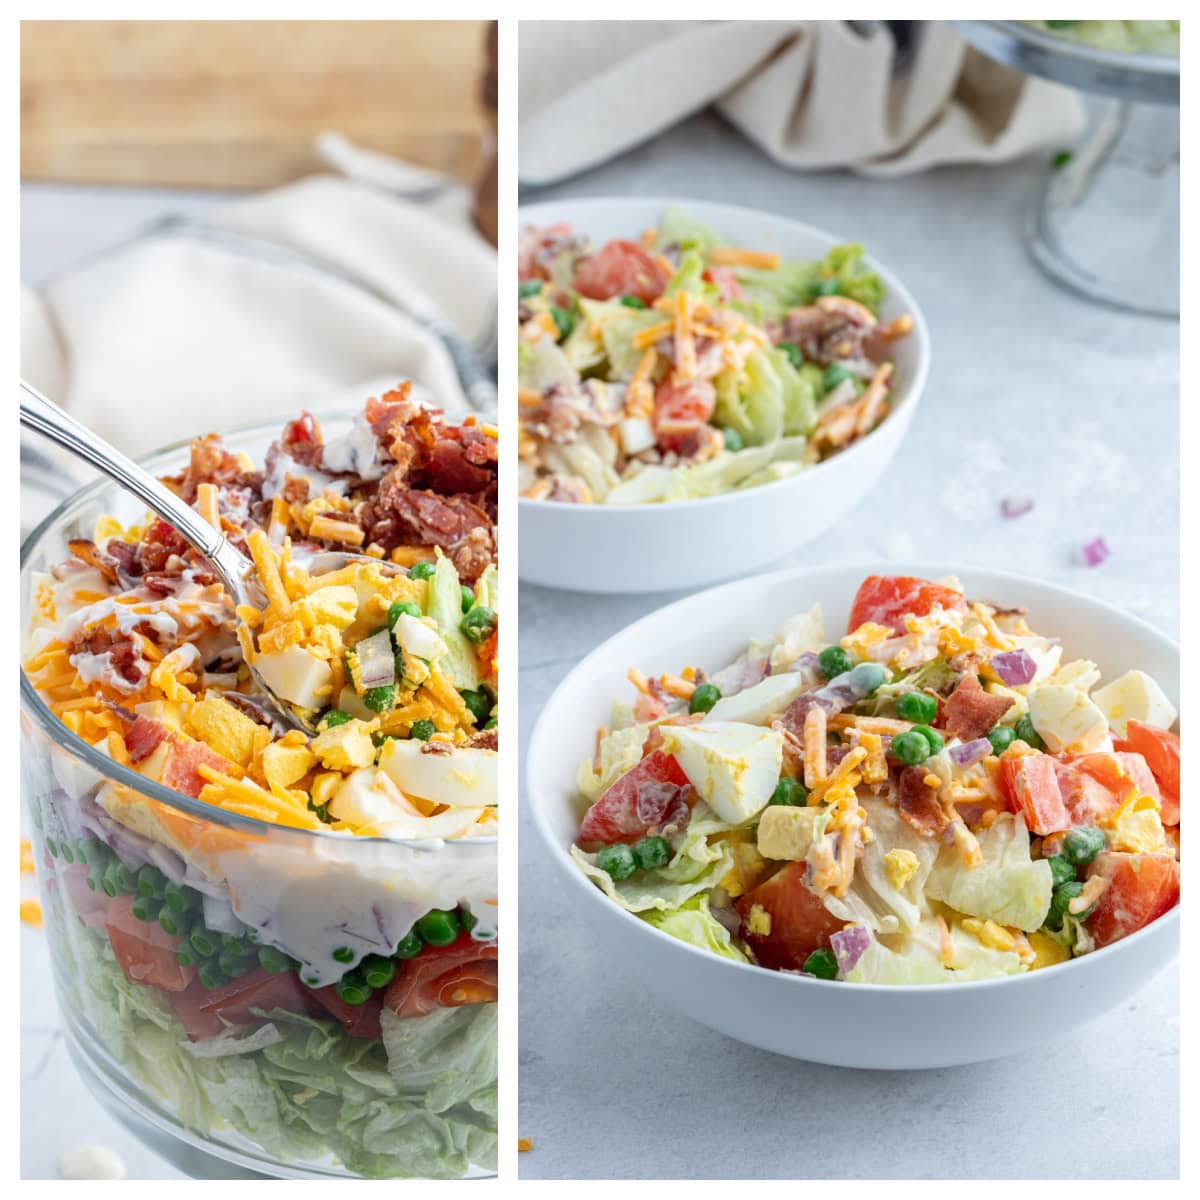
x=284, y=465
x=355, y=452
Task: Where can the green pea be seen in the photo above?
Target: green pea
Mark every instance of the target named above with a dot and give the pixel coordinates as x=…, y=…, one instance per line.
x=704, y=698
x=617, y=860
x=126, y=879
x=1059, y=902
x=633, y=302
x=185, y=956
x=869, y=677
x=380, y=699
x=421, y=570
x=822, y=963
x=1027, y=733
x=564, y=320
x=835, y=373
x=824, y=287
x=479, y=624
x=1062, y=870
x=353, y=989
x=343, y=954
x=652, y=852
x=789, y=792
x=910, y=748
x=151, y=882
x=468, y=597
x=1001, y=738
x=203, y=943
x=1061, y=159
x=1081, y=845
x=179, y=899
x=67, y=852
x=145, y=908
x=378, y=971
x=733, y=440
x=919, y=707
x=51, y=847
x=438, y=927
x=93, y=852
x=422, y=730
x=834, y=661
x=228, y=962
x=529, y=287
x=171, y=921
x=468, y=918
x=793, y=353
x=211, y=976
x=479, y=704
x=110, y=882
x=402, y=608
x=937, y=743
x=92, y=884
x=410, y=945
x=274, y=962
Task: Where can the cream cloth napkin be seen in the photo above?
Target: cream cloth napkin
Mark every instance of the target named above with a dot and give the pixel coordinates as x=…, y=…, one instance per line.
x=811, y=94
x=315, y=295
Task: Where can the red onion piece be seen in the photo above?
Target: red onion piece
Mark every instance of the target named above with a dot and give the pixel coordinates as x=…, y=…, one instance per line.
x=1015, y=667
x=1094, y=552
x=376, y=662
x=848, y=947
x=971, y=752
x=1015, y=506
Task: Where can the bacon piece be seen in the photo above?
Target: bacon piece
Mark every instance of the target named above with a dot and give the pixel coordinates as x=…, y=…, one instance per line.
x=143, y=737
x=449, y=469
x=302, y=440
x=918, y=803
x=970, y=712
x=617, y=814
x=485, y=739
x=87, y=551
x=464, y=972
x=181, y=770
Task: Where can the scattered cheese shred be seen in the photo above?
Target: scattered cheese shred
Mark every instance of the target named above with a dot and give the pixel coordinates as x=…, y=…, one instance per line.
x=31, y=912
x=730, y=256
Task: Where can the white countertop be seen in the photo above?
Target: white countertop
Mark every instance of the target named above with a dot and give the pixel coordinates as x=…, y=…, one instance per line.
x=1033, y=392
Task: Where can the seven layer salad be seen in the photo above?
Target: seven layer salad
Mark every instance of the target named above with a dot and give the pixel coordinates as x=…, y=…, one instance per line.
x=941, y=794
x=679, y=367
x=314, y=967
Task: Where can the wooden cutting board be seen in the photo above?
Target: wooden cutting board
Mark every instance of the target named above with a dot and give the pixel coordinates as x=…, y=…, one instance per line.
x=238, y=103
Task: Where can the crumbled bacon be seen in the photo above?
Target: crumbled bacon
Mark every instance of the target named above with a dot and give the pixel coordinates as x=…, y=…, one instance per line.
x=485, y=739
x=302, y=440
x=970, y=712
x=143, y=737
x=918, y=802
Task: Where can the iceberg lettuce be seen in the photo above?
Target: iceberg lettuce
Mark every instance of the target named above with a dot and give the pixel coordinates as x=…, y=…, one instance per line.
x=443, y=602
x=677, y=228
x=1008, y=886
x=619, y=751
x=915, y=958
x=649, y=889
x=694, y=923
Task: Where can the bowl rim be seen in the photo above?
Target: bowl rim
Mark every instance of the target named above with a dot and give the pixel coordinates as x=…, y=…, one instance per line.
x=912, y=391
x=116, y=772
x=928, y=570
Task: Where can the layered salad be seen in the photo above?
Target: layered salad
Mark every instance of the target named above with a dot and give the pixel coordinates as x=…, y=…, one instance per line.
x=680, y=367
x=940, y=794
x=291, y=950
x=1127, y=37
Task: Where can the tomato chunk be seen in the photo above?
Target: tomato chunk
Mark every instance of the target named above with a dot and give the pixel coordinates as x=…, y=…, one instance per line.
x=799, y=921
x=464, y=972
x=621, y=269
x=1095, y=785
x=680, y=409
x=887, y=599
x=1141, y=887
x=1030, y=785
x=1160, y=749
x=144, y=949
x=726, y=282
x=618, y=816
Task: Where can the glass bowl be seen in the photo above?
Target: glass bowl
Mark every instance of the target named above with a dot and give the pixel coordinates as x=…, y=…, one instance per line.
x=305, y=1099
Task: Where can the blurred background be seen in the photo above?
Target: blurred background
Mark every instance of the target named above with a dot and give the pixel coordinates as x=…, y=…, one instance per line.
x=222, y=223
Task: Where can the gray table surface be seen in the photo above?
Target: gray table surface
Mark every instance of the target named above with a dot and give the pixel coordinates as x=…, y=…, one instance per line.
x=59, y=226
x=1033, y=392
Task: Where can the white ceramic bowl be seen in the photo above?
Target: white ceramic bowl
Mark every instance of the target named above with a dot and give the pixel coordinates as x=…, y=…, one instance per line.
x=842, y=1024
x=692, y=543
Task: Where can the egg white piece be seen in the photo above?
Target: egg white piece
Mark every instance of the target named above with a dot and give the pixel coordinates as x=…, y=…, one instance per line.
x=1135, y=696
x=296, y=675
x=464, y=778
x=1067, y=719
x=758, y=704
x=733, y=767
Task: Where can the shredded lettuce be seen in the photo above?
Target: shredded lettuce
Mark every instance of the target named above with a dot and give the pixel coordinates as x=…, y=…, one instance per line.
x=916, y=958
x=677, y=228
x=542, y=364
x=694, y=923
x=444, y=605
x=649, y=889
x=1008, y=886
x=619, y=751
x=419, y=1103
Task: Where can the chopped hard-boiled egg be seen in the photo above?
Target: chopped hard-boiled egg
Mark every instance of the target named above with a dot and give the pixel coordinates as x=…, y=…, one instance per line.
x=369, y=798
x=296, y=676
x=1135, y=697
x=787, y=833
x=336, y=605
x=733, y=767
x=418, y=638
x=758, y=704
x=464, y=777
x=900, y=866
x=637, y=434
x=1067, y=720
x=231, y=733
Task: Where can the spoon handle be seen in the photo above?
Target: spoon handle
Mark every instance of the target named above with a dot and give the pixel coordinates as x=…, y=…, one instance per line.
x=46, y=418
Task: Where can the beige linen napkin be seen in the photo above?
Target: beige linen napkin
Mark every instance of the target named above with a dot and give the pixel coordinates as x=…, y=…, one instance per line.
x=811, y=94
x=315, y=295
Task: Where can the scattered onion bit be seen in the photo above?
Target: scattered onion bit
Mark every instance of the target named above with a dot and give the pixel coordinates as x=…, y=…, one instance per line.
x=1095, y=552
x=1015, y=506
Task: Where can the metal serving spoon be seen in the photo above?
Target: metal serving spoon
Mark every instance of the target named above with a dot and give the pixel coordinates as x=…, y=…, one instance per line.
x=235, y=571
